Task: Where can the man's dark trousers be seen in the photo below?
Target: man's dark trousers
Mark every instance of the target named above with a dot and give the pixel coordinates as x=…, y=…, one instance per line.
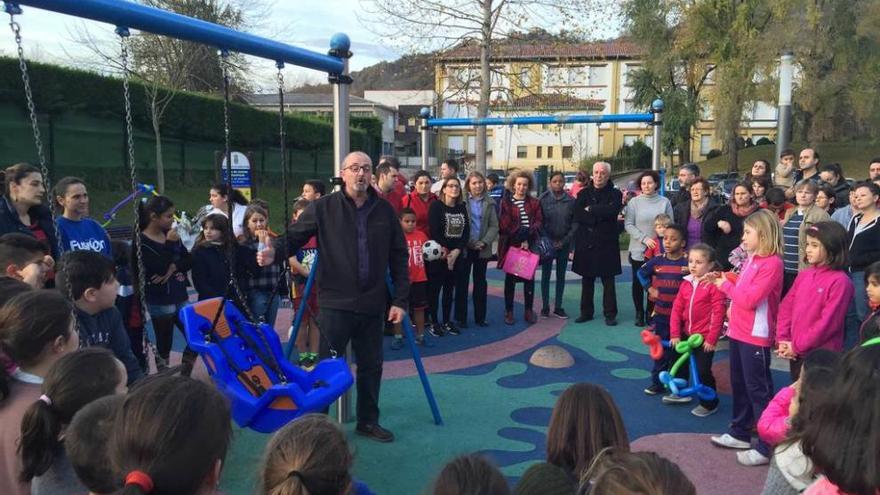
x=365, y=332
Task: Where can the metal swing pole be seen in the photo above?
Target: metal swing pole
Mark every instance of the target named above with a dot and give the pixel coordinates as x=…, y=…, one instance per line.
x=339, y=48
x=343, y=405
x=425, y=114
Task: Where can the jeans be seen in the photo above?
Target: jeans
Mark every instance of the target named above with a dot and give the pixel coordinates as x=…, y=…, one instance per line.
x=338, y=327
x=561, y=260
x=510, y=287
x=639, y=292
x=481, y=288
x=258, y=302
x=856, y=312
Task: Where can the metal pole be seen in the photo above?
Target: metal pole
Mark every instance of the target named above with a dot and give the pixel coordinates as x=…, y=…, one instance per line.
x=343, y=405
x=783, y=124
x=159, y=21
x=657, y=110
x=646, y=118
x=425, y=114
x=339, y=47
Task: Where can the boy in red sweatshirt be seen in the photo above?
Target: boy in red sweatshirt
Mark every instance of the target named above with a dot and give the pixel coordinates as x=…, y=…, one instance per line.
x=418, y=289
x=699, y=308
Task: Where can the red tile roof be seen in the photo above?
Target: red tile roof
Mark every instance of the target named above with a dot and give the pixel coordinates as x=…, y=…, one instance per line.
x=519, y=50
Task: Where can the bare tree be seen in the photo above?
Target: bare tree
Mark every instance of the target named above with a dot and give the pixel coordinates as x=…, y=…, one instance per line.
x=443, y=24
x=165, y=66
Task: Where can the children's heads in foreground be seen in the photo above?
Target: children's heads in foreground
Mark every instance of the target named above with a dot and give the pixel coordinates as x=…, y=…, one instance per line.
x=36, y=339
x=470, y=475
x=619, y=472
x=86, y=440
x=585, y=420
x=171, y=433
x=75, y=380
x=841, y=435
x=309, y=456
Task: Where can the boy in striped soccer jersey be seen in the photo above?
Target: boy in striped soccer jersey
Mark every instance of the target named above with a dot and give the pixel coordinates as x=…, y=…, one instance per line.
x=662, y=275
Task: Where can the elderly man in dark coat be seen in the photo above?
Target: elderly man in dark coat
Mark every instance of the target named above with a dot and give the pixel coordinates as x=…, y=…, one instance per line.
x=597, y=253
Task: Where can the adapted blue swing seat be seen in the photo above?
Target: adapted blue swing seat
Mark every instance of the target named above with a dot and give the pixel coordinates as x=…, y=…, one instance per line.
x=261, y=400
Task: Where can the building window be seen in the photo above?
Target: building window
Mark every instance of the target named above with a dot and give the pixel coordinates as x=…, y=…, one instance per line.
x=539, y=152
x=566, y=152
x=471, y=144
x=568, y=126
x=705, y=144
x=456, y=143
x=549, y=151
x=522, y=152
x=629, y=139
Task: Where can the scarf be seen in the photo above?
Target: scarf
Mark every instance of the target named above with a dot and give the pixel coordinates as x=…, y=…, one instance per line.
x=698, y=212
x=743, y=211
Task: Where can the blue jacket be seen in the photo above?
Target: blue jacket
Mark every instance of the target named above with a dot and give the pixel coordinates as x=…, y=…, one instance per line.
x=558, y=216
x=105, y=329
x=83, y=235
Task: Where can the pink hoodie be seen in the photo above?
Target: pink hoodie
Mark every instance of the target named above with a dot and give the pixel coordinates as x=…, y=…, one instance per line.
x=754, y=300
x=773, y=425
x=812, y=314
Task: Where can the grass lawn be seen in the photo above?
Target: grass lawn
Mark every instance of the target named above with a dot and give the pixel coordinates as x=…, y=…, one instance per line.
x=853, y=156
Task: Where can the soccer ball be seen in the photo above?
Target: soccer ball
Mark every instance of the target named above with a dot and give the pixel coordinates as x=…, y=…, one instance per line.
x=431, y=251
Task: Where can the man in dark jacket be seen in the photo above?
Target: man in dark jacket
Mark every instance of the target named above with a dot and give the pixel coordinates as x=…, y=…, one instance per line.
x=597, y=252
x=359, y=239
x=686, y=175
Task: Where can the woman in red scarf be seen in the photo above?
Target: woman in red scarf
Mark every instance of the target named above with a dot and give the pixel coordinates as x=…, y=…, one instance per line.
x=723, y=227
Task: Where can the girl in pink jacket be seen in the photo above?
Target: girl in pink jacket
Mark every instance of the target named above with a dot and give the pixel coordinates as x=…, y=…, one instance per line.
x=812, y=314
x=754, y=302
x=699, y=308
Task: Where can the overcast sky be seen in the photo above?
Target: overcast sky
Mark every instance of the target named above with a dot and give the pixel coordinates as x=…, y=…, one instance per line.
x=49, y=37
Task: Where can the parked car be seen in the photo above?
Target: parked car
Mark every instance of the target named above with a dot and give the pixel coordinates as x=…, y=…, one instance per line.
x=714, y=179
x=569, y=181
x=725, y=188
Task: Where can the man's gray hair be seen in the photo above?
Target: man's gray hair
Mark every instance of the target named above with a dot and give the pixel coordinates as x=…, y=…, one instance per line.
x=603, y=164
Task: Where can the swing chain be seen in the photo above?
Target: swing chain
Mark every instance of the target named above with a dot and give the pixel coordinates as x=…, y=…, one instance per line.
x=26, y=80
x=227, y=153
x=136, y=239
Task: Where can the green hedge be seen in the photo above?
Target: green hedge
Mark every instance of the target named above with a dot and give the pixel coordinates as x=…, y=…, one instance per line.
x=191, y=116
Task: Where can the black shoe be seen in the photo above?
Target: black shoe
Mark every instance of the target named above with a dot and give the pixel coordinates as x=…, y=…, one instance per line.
x=560, y=313
x=435, y=330
x=451, y=329
x=583, y=319
x=375, y=432
x=545, y=312
x=482, y=324
x=640, y=318
x=611, y=321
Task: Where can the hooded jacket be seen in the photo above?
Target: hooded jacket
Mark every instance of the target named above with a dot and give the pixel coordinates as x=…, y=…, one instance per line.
x=698, y=308
x=812, y=314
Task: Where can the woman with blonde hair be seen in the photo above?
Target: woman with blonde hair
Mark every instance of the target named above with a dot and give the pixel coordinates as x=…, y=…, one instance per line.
x=484, y=232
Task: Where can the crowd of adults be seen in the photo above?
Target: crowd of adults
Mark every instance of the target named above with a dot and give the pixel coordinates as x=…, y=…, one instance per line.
x=361, y=234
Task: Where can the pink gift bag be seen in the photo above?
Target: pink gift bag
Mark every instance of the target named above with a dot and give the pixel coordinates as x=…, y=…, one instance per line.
x=521, y=263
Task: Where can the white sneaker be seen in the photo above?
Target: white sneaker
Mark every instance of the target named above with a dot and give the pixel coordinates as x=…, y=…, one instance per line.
x=676, y=399
x=729, y=442
x=751, y=457
x=702, y=412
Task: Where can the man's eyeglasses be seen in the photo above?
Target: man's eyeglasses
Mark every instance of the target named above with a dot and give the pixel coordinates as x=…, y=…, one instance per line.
x=355, y=169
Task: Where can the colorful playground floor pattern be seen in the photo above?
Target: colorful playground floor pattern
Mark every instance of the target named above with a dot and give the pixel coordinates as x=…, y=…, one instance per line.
x=494, y=402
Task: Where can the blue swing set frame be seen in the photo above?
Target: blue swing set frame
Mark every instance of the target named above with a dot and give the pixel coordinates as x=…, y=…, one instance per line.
x=262, y=406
